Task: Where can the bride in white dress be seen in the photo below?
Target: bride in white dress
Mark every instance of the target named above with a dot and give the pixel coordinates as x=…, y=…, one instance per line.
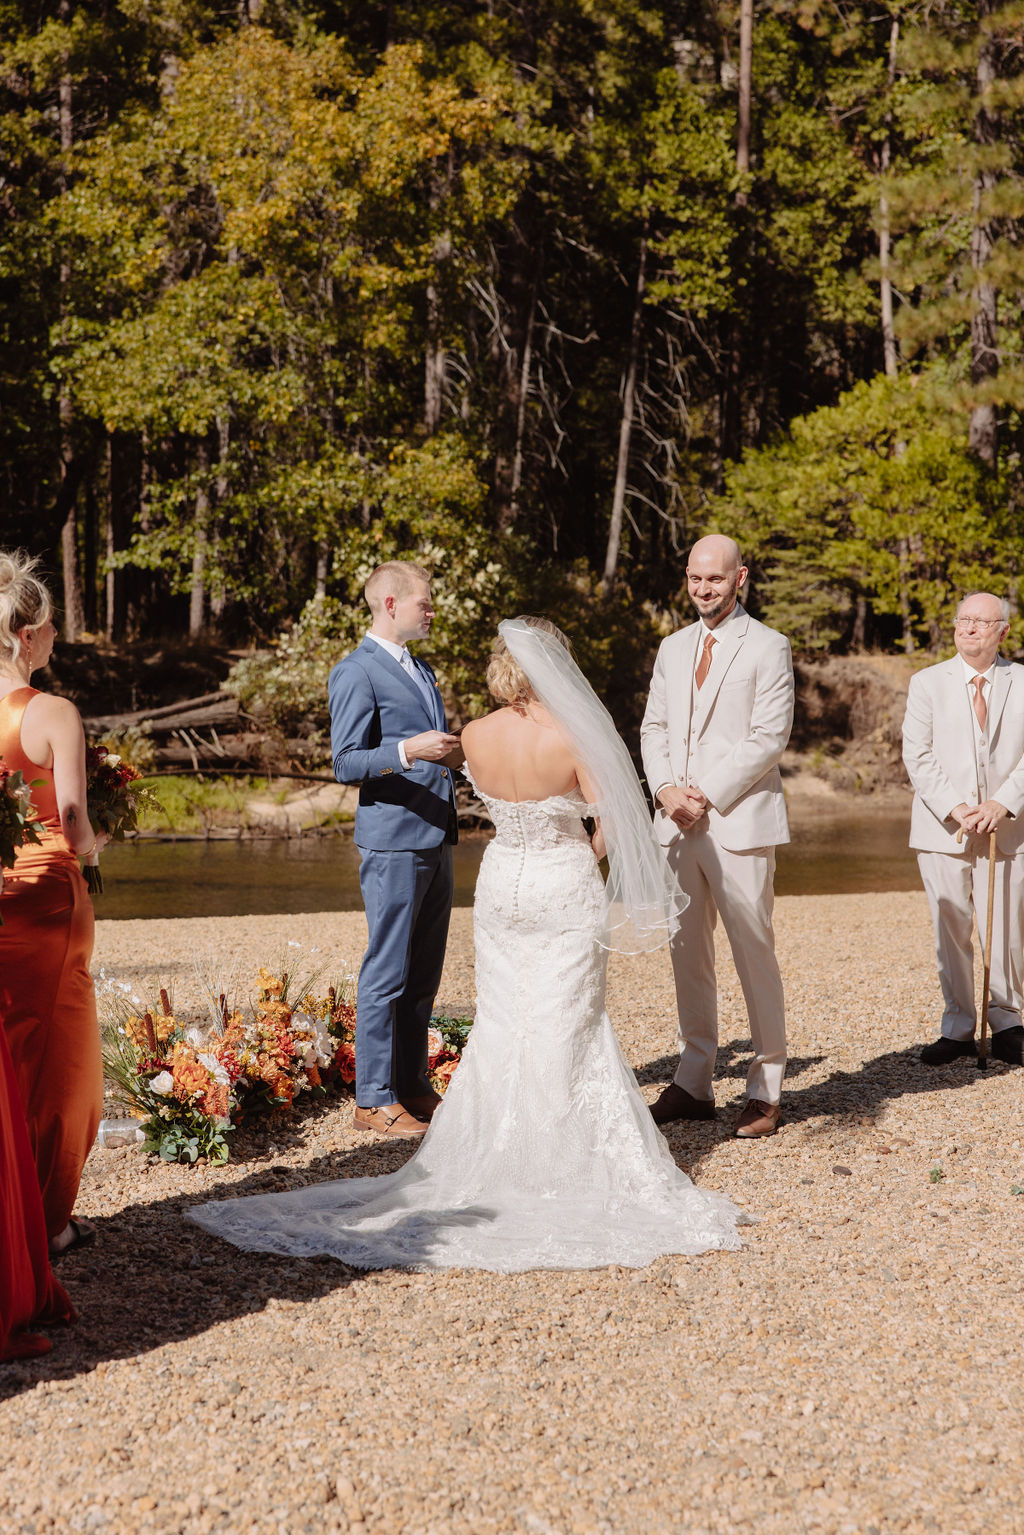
x=543, y=1154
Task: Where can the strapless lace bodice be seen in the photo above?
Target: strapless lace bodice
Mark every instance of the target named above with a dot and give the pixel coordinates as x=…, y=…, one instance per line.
x=536, y=823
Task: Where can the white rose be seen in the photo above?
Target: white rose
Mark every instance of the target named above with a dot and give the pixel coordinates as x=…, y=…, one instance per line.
x=162, y=1084
x=215, y=1069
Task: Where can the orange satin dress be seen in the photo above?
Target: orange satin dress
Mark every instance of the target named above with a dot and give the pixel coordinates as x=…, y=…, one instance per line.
x=29, y=1294
x=47, y=998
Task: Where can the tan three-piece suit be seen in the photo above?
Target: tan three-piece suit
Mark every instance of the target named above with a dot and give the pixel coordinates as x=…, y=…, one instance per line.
x=726, y=738
x=951, y=761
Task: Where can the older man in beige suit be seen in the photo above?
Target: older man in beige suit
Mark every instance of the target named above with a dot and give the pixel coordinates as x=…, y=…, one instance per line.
x=963, y=744
x=717, y=722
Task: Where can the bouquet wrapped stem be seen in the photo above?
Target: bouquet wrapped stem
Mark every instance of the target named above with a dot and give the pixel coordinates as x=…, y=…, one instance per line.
x=93, y=877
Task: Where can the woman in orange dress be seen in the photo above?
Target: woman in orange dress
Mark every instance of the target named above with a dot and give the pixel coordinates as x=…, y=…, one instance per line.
x=47, y=999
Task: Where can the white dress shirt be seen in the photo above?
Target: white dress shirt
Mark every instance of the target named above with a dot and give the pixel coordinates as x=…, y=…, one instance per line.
x=400, y=654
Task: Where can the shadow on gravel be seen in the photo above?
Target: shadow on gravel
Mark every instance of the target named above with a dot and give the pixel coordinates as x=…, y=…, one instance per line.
x=851, y=1096
x=732, y=1060
x=893, y=1075
x=153, y=1278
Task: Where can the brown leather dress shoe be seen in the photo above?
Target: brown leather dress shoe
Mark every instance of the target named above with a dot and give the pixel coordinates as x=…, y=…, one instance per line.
x=392, y=1119
x=758, y=1118
x=422, y=1104
x=676, y=1103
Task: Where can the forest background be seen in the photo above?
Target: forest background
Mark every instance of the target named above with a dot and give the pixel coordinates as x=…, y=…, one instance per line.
x=534, y=293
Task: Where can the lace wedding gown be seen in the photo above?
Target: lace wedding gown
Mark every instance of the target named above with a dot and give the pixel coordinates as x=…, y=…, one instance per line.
x=543, y=1154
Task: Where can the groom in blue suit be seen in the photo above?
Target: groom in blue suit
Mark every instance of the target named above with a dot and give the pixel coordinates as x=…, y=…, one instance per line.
x=390, y=736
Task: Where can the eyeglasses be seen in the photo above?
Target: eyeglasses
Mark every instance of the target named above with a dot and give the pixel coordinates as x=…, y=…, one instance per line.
x=969, y=620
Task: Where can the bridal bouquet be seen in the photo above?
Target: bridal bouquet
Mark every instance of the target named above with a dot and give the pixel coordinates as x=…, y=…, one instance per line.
x=115, y=800
x=191, y=1079
x=16, y=816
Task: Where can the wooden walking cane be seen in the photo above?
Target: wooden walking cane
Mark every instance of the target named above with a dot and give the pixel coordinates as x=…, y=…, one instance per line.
x=987, y=971
x=983, y=1041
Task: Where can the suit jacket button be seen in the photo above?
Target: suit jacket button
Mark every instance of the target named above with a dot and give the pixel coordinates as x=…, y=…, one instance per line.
x=444, y=772
x=383, y=771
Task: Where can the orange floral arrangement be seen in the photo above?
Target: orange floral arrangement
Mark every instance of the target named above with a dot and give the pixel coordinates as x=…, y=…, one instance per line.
x=191, y=1085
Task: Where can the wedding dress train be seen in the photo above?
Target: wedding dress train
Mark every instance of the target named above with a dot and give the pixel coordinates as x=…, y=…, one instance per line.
x=543, y=1154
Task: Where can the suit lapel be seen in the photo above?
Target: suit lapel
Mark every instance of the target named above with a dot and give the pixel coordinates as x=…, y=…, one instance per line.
x=393, y=670
x=730, y=641
x=688, y=662
x=957, y=715
x=1000, y=692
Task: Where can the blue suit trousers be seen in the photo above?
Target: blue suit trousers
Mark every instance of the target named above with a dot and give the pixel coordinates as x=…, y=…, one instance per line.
x=408, y=898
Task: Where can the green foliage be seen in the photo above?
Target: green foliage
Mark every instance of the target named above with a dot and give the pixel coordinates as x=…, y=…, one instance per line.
x=285, y=688
x=473, y=587
x=230, y=260
x=183, y=1142
x=877, y=501
x=189, y=804
x=259, y=253
x=454, y=1031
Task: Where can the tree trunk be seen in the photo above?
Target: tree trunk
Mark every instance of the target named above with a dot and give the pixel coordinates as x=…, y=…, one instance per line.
x=745, y=89
x=905, y=618
x=513, y=352
x=730, y=410
x=322, y=559
x=218, y=593
x=611, y=558
x=201, y=534
x=889, y=352
x=525, y=368
x=74, y=607
x=984, y=336
x=90, y=556
x=433, y=381
x=860, y=619
x=115, y=537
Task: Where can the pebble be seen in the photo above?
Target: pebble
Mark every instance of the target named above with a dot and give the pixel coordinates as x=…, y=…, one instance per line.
x=852, y=1370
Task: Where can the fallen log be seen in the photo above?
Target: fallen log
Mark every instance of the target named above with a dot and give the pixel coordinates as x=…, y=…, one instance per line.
x=217, y=709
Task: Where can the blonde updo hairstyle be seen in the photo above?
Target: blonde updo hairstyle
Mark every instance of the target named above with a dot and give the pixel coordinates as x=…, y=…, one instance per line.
x=506, y=680
x=24, y=602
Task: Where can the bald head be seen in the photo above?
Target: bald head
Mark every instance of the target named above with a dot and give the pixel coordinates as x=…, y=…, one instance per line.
x=982, y=623
x=715, y=574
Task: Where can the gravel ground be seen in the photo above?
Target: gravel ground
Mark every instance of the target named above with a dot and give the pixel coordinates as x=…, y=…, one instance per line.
x=854, y=1369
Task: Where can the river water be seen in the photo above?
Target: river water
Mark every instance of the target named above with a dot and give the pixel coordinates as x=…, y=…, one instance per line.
x=851, y=853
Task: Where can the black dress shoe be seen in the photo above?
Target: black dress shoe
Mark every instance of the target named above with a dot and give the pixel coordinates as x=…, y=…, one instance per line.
x=1008, y=1045
x=676, y=1103
x=945, y=1050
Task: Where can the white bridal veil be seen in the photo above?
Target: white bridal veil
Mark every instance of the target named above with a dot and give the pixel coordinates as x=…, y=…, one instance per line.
x=644, y=898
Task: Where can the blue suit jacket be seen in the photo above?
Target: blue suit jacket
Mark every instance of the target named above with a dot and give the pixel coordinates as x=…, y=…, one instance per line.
x=375, y=705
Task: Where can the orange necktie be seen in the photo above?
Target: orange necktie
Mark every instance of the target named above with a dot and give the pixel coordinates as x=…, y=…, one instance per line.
x=980, y=710
x=704, y=664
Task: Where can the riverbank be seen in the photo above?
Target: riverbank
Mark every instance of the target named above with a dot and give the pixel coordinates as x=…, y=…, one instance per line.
x=223, y=810
x=854, y=1369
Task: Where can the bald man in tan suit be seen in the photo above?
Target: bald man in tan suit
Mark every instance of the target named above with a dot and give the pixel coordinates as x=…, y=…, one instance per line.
x=717, y=722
